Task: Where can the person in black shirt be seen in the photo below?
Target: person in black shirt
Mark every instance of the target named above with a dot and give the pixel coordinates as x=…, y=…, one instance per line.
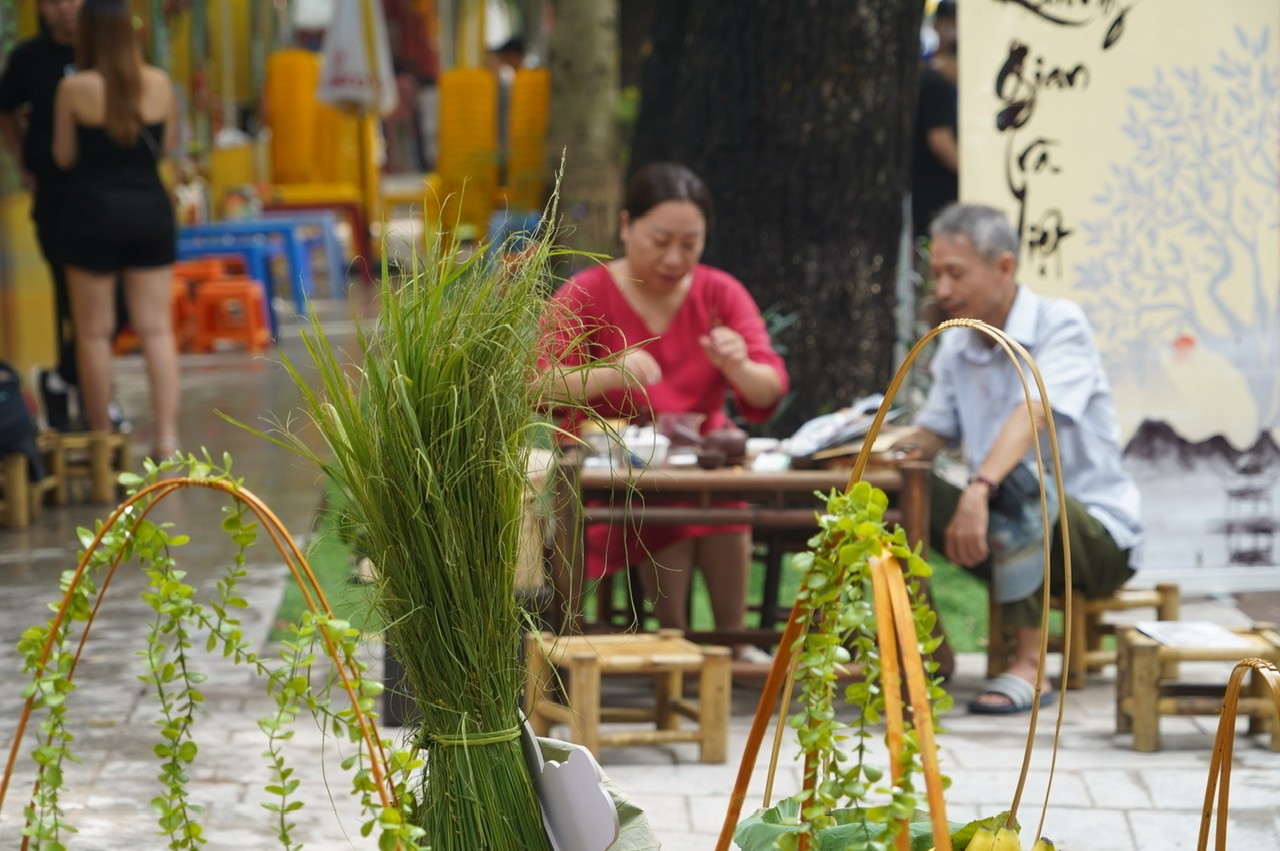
x=27, y=87
x=935, y=154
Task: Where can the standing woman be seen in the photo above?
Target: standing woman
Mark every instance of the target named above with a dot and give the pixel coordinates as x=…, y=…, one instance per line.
x=113, y=121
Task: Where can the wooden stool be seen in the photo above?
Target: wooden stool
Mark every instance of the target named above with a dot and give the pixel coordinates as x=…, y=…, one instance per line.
x=667, y=656
x=1144, y=693
x=1087, y=628
x=97, y=456
x=22, y=496
x=231, y=310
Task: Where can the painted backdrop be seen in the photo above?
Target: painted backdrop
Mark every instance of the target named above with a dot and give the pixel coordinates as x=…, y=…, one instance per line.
x=1136, y=144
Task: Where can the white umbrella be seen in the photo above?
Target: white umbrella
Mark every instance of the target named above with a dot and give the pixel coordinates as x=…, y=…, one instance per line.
x=347, y=77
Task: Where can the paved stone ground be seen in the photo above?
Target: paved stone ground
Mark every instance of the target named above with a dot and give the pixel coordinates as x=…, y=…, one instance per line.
x=1106, y=797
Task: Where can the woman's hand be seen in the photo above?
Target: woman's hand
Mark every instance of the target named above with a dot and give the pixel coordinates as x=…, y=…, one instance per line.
x=725, y=348
x=639, y=369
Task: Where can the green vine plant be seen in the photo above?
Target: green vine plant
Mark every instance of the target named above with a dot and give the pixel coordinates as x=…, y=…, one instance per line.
x=381, y=776
x=838, y=614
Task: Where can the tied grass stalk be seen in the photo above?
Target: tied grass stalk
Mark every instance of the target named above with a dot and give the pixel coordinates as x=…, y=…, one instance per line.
x=429, y=440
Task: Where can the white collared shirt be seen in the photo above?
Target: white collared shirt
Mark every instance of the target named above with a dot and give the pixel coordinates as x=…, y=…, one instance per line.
x=976, y=388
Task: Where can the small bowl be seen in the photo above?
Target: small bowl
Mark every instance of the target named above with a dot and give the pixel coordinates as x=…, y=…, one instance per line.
x=650, y=452
x=711, y=459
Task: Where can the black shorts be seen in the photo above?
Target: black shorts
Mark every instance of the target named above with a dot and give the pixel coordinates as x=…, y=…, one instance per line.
x=104, y=254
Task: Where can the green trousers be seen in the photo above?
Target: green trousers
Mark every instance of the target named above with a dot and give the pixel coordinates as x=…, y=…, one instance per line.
x=1098, y=566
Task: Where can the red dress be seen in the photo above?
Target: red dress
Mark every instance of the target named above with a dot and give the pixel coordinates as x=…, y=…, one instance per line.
x=598, y=321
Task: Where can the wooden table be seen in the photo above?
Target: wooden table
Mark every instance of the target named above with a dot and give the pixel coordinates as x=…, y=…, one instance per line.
x=780, y=508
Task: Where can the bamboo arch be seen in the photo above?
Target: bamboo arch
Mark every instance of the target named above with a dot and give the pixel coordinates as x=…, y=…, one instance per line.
x=1224, y=745
x=895, y=631
x=313, y=595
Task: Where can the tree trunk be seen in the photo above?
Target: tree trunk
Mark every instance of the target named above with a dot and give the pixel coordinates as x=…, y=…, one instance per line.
x=798, y=116
x=583, y=58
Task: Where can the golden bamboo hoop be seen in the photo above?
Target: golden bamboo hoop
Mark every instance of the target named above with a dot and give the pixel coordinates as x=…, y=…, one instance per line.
x=896, y=631
x=1224, y=746
x=312, y=593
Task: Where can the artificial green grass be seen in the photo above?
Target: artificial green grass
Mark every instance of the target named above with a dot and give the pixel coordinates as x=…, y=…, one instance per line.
x=333, y=561
x=960, y=598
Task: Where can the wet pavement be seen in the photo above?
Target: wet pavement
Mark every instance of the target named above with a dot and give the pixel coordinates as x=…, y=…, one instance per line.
x=1106, y=797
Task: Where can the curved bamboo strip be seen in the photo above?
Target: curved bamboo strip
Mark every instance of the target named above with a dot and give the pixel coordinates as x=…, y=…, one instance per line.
x=312, y=592
x=785, y=658
x=1224, y=745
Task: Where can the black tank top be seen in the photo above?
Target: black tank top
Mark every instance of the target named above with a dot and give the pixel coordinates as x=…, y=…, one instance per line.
x=116, y=188
x=98, y=155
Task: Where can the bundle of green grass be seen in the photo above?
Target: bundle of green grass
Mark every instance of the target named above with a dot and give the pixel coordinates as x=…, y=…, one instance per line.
x=428, y=440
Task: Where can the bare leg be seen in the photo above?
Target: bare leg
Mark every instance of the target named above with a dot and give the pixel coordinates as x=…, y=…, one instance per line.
x=665, y=579
x=725, y=560
x=93, y=311
x=148, y=293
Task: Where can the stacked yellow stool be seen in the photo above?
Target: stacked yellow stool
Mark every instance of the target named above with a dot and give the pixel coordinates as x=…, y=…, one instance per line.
x=468, y=162
x=527, y=139
x=584, y=661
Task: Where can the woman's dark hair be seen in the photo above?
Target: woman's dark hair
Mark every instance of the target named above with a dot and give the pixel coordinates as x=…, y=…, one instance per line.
x=658, y=183
x=108, y=44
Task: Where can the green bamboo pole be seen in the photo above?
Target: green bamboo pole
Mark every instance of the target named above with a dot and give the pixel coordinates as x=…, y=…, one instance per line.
x=200, y=101
x=159, y=37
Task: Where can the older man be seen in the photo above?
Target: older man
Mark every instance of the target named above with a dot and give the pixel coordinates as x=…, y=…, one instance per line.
x=993, y=525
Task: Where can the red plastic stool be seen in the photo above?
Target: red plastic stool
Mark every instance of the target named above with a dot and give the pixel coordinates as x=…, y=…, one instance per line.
x=230, y=311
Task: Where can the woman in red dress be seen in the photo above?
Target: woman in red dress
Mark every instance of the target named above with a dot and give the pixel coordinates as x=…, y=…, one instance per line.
x=658, y=332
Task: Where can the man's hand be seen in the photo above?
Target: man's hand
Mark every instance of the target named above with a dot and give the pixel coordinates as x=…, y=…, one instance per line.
x=724, y=347
x=966, y=541
x=916, y=445
x=28, y=181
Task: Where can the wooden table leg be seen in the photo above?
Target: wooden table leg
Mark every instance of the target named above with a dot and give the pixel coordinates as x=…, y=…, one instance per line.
x=537, y=680
x=713, y=704
x=17, y=491
x=1169, y=608
x=668, y=687
x=1124, y=723
x=584, y=701
x=568, y=564
x=1144, y=697
x=915, y=502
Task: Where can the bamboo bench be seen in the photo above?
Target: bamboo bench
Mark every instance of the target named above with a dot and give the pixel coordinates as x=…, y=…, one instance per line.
x=1145, y=690
x=1088, y=628
x=22, y=496
x=665, y=655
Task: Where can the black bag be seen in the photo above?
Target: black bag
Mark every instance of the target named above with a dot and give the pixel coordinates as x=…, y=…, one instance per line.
x=1018, y=488
x=17, y=429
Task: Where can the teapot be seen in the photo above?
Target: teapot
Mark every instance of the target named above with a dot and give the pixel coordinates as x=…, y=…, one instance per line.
x=730, y=440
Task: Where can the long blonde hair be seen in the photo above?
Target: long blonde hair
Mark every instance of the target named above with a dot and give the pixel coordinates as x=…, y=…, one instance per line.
x=107, y=43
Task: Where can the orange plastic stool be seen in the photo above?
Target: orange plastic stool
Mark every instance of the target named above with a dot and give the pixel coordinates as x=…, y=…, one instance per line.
x=230, y=311
x=182, y=314
x=192, y=272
